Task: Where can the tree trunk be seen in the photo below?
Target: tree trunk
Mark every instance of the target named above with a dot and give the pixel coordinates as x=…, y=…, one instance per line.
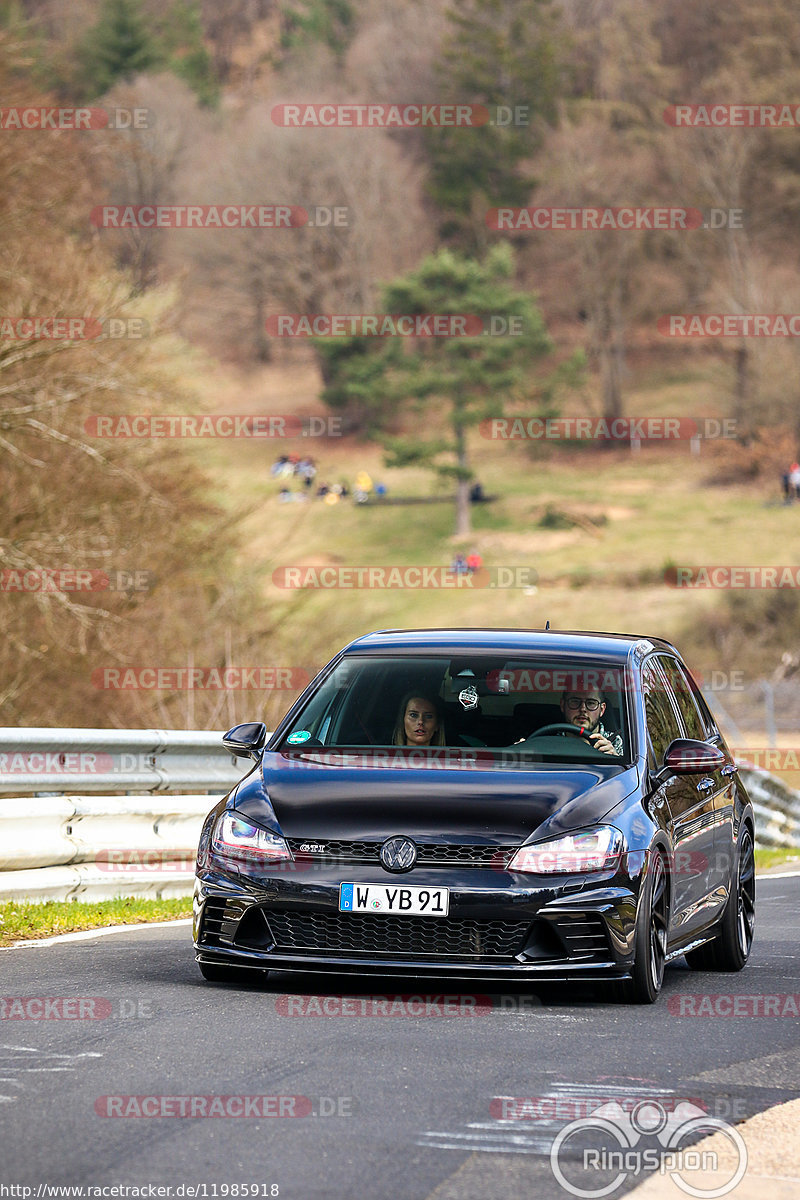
x=463, y=515
x=741, y=394
x=263, y=347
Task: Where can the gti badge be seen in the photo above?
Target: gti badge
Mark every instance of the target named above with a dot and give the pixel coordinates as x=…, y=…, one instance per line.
x=398, y=854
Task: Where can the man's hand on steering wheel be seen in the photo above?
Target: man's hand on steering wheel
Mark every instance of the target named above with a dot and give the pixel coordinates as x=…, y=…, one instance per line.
x=562, y=727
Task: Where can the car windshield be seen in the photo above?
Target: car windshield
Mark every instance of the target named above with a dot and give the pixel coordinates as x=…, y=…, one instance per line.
x=545, y=709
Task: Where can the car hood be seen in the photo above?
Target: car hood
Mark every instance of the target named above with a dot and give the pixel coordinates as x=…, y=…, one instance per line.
x=323, y=800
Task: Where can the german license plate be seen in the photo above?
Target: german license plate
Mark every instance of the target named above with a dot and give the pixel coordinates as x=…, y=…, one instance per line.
x=398, y=899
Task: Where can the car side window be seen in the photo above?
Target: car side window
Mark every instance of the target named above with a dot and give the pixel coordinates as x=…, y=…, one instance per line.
x=663, y=724
x=676, y=678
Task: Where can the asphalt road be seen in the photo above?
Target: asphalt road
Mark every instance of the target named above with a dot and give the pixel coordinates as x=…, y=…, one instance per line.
x=459, y=1098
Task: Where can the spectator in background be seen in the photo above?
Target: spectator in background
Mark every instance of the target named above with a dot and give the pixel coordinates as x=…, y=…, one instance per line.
x=794, y=481
x=306, y=470
x=474, y=562
x=459, y=565
x=363, y=487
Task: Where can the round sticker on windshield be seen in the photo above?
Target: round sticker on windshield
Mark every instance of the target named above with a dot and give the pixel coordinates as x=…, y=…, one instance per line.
x=302, y=735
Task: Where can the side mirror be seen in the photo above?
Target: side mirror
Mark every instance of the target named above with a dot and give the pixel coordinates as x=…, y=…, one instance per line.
x=686, y=756
x=246, y=741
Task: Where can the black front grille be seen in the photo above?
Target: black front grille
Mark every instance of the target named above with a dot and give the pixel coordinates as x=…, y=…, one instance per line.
x=395, y=937
x=429, y=854
x=584, y=935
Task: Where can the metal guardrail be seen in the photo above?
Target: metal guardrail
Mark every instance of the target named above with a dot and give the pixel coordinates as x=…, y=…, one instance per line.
x=776, y=806
x=60, y=840
x=114, y=760
x=64, y=834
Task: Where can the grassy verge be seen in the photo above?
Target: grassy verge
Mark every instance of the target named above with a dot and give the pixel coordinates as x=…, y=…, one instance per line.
x=775, y=858
x=21, y=920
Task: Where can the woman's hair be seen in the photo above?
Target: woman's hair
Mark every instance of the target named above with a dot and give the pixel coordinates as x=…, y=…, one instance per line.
x=399, y=732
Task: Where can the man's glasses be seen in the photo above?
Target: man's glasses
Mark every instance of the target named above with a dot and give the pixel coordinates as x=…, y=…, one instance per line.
x=575, y=702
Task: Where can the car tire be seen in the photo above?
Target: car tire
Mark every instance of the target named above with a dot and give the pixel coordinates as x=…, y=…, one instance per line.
x=730, y=948
x=220, y=973
x=650, y=941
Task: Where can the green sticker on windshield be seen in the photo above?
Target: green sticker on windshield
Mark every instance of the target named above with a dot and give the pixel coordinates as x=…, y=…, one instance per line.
x=302, y=735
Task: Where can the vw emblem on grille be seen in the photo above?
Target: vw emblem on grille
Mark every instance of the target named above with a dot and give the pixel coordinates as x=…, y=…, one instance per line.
x=398, y=854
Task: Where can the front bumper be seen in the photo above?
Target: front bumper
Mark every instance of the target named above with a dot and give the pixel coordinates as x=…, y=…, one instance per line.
x=500, y=925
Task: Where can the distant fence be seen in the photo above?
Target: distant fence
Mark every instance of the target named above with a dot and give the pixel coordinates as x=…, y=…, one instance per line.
x=60, y=839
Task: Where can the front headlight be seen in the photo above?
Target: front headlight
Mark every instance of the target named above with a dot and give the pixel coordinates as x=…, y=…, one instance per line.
x=239, y=840
x=595, y=850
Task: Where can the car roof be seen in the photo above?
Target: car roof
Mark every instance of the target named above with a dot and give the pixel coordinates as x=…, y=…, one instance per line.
x=507, y=641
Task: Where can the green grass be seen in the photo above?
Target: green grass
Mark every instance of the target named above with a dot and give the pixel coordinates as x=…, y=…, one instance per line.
x=20, y=920
x=775, y=858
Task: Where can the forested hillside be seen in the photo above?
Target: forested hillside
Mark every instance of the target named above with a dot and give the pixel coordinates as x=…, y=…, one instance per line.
x=581, y=104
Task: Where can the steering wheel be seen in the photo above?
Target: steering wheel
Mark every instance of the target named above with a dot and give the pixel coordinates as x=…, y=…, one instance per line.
x=559, y=727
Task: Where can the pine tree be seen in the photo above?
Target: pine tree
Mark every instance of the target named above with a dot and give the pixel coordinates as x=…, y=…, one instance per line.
x=119, y=46
x=504, y=55
x=468, y=378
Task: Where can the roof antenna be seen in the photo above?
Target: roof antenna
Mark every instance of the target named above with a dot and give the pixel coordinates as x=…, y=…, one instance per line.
x=546, y=625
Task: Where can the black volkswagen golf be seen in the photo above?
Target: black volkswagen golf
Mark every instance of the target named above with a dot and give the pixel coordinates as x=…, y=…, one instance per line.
x=503, y=804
